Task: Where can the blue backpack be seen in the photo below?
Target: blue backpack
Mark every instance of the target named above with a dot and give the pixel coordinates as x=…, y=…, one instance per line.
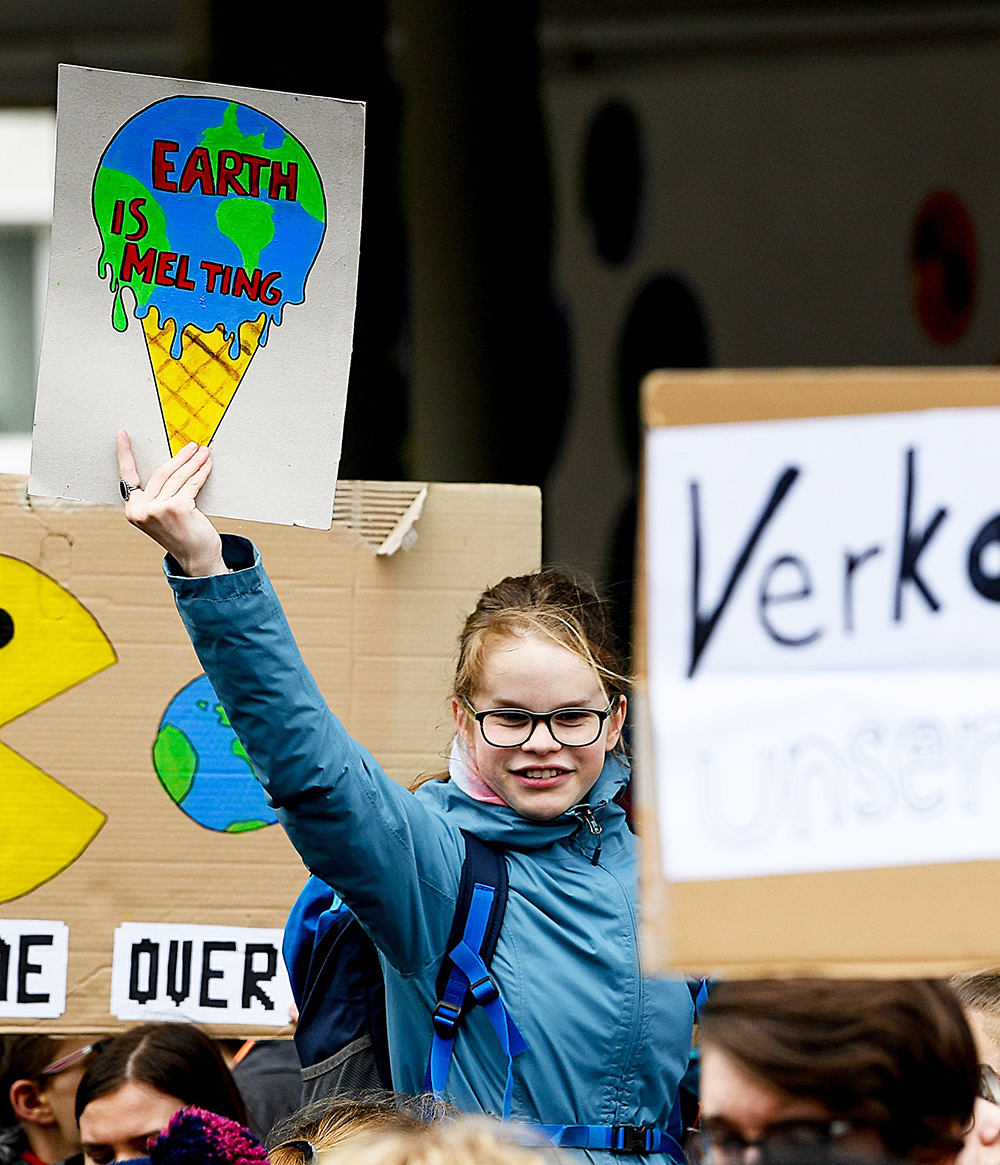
x=338, y=987
x=337, y=982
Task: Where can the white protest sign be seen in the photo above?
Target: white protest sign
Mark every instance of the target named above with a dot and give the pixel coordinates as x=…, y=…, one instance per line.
x=202, y=283
x=34, y=959
x=207, y=974
x=823, y=621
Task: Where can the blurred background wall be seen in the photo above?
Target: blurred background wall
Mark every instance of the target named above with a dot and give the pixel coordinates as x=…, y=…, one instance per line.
x=562, y=195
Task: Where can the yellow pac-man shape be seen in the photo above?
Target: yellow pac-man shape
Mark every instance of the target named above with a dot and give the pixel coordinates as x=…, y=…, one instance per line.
x=48, y=642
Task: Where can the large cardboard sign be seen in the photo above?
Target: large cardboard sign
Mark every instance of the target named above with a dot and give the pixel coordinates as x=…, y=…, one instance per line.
x=201, y=288
x=130, y=818
x=822, y=605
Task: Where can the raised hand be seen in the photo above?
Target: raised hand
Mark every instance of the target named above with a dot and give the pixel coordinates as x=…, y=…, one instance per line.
x=166, y=509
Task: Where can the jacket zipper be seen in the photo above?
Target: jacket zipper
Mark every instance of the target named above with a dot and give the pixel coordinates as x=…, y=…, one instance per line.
x=586, y=815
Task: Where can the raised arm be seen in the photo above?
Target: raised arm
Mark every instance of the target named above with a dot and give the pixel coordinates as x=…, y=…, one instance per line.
x=395, y=862
x=167, y=509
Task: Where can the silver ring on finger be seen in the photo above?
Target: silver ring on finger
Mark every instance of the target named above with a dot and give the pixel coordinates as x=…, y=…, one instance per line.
x=126, y=490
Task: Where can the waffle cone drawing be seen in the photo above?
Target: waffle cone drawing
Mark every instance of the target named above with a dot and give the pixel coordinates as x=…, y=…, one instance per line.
x=196, y=389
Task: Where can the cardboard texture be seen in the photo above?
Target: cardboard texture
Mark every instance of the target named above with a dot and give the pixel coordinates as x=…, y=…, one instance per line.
x=379, y=632
x=202, y=281
x=898, y=921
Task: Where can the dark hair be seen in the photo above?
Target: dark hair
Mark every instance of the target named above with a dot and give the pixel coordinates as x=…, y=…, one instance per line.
x=177, y=1059
x=893, y=1055
x=22, y=1058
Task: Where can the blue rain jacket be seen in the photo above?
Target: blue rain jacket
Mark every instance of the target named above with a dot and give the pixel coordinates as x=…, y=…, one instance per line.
x=606, y=1045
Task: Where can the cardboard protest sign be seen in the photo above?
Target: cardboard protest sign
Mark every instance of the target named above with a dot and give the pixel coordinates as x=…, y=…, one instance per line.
x=821, y=596
x=201, y=288
x=129, y=811
x=34, y=959
x=199, y=973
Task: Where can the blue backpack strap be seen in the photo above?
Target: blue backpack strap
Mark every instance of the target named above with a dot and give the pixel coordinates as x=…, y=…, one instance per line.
x=465, y=980
x=699, y=993
x=637, y=1139
x=675, y=1122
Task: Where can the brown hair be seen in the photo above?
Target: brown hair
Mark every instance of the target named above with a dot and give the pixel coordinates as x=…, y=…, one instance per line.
x=177, y=1059
x=546, y=602
x=893, y=1055
x=327, y=1123
x=467, y=1141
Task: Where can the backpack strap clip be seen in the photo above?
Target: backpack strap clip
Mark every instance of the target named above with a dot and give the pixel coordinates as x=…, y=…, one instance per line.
x=484, y=990
x=445, y=1018
x=634, y=1139
x=631, y=1139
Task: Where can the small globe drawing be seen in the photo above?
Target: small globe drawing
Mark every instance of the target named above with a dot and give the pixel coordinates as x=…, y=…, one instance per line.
x=204, y=768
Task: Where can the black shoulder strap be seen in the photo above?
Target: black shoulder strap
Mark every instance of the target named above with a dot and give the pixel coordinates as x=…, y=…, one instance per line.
x=486, y=866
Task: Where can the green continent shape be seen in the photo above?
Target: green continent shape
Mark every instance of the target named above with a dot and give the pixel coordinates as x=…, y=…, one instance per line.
x=241, y=752
x=220, y=712
x=175, y=761
x=228, y=136
x=244, y=826
x=250, y=225
x=110, y=186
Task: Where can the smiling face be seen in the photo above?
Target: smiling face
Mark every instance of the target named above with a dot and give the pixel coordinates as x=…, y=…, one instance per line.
x=117, y=1126
x=541, y=778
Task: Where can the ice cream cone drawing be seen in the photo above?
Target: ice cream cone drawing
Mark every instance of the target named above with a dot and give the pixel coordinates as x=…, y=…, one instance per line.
x=211, y=215
x=49, y=642
x=196, y=388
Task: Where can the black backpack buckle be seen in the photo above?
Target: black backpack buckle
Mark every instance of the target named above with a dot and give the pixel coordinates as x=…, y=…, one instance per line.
x=445, y=1018
x=484, y=990
x=631, y=1139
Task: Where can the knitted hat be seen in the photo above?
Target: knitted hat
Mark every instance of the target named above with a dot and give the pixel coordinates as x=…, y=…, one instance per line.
x=197, y=1137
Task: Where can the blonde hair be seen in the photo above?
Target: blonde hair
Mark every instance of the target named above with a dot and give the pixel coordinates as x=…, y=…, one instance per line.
x=467, y=1141
x=328, y=1123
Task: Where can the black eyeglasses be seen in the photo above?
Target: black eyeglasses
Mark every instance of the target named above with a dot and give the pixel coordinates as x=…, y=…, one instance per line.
x=718, y=1143
x=65, y=1062
x=512, y=727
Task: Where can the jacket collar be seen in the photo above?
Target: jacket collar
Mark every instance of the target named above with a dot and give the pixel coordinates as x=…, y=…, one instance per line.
x=501, y=825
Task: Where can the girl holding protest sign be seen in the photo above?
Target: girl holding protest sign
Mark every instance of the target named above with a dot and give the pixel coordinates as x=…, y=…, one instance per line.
x=570, y=1036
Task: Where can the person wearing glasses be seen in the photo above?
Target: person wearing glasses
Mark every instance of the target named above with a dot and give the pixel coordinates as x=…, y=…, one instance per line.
x=536, y=768
x=39, y=1076
x=819, y=1070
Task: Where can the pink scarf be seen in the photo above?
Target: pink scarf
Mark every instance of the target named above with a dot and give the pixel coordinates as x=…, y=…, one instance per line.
x=465, y=773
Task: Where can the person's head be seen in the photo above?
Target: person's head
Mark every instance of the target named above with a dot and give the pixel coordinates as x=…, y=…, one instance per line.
x=38, y=1082
x=323, y=1125
x=137, y=1083
x=979, y=995
x=466, y=1141
x=539, y=642
x=881, y=1067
